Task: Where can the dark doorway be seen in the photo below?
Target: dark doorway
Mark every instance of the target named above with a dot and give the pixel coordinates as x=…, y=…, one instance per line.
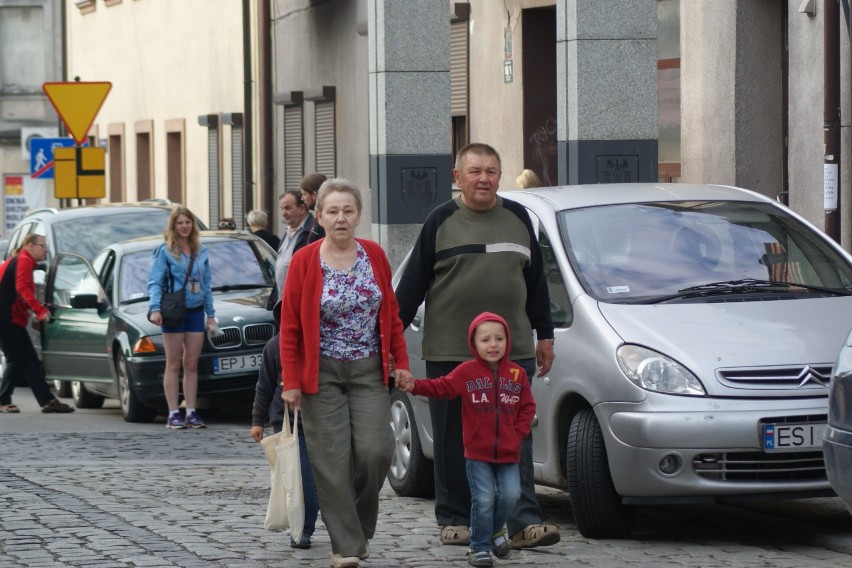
x=539, y=63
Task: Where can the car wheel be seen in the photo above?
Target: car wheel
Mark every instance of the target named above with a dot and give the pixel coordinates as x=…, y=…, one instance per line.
x=410, y=473
x=598, y=509
x=131, y=408
x=83, y=398
x=62, y=388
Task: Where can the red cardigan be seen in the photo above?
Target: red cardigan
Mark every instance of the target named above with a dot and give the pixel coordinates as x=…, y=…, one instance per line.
x=300, y=317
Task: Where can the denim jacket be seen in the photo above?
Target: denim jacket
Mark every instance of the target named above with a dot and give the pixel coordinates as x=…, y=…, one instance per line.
x=165, y=262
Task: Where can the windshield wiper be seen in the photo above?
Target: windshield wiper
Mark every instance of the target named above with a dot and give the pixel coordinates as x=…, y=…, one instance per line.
x=229, y=287
x=135, y=300
x=743, y=286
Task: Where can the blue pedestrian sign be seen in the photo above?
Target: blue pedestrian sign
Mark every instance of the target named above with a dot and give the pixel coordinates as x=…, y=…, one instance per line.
x=41, y=155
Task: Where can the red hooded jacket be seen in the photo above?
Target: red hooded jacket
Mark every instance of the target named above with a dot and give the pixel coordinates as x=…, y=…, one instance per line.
x=497, y=404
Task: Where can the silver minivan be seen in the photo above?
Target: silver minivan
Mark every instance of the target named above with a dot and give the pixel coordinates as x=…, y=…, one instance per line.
x=696, y=329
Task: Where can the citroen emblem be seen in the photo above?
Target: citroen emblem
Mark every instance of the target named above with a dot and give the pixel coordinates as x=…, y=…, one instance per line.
x=811, y=375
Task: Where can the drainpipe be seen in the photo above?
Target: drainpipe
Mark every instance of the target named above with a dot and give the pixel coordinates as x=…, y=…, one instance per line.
x=248, y=123
x=831, y=118
x=265, y=124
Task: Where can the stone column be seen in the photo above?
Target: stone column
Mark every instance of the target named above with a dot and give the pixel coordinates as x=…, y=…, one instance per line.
x=731, y=96
x=606, y=77
x=410, y=164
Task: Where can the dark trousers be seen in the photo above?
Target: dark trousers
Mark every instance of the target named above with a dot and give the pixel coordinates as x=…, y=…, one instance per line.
x=21, y=360
x=452, y=492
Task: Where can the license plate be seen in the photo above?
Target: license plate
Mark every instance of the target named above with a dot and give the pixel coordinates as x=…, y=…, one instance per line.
x=236, y=364
x=783, y=437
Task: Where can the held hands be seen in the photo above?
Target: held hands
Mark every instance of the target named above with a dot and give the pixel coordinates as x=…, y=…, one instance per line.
x=404, y=382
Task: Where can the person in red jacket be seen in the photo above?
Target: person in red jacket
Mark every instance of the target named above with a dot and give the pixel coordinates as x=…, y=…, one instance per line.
x=497, y=413
x=17, y=298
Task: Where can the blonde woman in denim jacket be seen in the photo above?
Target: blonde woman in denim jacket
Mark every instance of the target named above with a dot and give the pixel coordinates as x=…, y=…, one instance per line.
x=187, y=339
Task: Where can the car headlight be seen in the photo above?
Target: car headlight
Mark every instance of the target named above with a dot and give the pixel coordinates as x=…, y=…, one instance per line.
x=656, y=372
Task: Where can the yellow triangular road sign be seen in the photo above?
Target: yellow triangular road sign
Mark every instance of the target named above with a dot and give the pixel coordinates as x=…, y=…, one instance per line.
x=78, y=104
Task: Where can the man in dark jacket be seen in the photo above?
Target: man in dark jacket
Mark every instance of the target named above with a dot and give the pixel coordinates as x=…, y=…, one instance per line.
x=17, y=299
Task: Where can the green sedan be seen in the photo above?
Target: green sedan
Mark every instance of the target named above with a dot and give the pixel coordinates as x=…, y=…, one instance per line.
x=100, y=339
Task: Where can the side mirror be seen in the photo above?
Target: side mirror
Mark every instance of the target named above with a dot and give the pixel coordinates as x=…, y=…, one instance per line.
x=85, y=302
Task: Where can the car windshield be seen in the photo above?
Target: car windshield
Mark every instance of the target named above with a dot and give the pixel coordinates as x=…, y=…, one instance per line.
x=234, y=264
x=646, y=252
x=86, y=236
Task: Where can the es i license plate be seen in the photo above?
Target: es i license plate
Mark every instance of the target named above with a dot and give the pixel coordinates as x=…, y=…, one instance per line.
x=782, y=437
x=236, y=364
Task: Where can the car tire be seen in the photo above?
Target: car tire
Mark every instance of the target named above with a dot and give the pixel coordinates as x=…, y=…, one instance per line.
x=598, y=510
x=83, y=398
x=131, y=409
x=411, y=473
x=62, y=388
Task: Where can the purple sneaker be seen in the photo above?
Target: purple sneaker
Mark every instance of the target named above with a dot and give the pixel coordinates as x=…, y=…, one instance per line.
x=175, y=422
x=193, y=420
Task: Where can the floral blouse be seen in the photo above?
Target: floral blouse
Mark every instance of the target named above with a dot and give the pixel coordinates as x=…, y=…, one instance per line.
x=349, y=310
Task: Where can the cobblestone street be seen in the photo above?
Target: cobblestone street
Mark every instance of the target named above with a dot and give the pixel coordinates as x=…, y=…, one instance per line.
x=139, y=495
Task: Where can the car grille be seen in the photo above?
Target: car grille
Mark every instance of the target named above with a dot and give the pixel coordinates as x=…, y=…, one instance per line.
x=230, y=337
x=259, y=333
x=253, y=334
x=798, y=377
x=759, y=466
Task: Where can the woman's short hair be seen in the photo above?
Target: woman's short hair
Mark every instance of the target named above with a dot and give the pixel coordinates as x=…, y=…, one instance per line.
x=342, y=185
x=31, y=238
x=257, y=218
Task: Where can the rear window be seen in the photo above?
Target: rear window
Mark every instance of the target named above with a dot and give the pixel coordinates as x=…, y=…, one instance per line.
x=88, y=235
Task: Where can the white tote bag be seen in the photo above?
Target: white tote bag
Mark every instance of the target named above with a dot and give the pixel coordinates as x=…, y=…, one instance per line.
x=286, y=498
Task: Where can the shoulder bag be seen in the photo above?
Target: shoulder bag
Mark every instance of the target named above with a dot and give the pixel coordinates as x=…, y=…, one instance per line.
x=173, y=304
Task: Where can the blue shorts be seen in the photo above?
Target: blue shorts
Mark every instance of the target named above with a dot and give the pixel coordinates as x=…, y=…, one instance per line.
x=193, y=321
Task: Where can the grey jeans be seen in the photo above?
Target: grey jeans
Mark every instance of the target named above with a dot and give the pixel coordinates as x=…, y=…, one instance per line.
x=350, y=441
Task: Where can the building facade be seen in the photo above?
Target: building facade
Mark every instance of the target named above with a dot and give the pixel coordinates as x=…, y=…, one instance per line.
x=174, y=123
x=30, y=55
x=384, y=92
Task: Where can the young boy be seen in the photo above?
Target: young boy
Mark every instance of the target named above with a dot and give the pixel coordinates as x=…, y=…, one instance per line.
x=497, y=412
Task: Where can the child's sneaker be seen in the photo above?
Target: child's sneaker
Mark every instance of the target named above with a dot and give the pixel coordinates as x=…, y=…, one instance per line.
x=501, y=546
x=481, y=558
x=193, y=420
x=304, y=542
x=175, y=422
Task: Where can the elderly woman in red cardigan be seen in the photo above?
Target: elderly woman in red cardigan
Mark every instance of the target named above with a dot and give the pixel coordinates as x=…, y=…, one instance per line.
x=339, y=327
